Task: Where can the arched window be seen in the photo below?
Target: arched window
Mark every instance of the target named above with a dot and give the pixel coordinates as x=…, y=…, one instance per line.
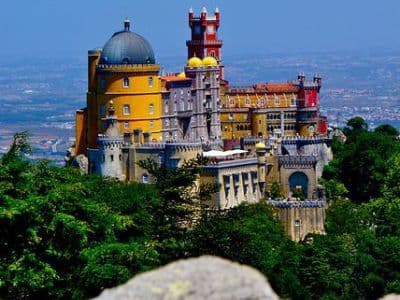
x=145, y=178
x=151, y=109
x=102, y=83
x=126, y=82
x=151, y=81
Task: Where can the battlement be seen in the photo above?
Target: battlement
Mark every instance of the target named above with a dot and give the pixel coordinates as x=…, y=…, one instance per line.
x=299, y=161
x=106, y=141
x=297, y=204
x=301, y=140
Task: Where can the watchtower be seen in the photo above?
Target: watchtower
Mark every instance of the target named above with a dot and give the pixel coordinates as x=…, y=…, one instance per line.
x=204, y=36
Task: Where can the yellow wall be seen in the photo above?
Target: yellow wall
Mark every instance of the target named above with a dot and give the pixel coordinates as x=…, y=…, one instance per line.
x=139, y=95
x=236, y=112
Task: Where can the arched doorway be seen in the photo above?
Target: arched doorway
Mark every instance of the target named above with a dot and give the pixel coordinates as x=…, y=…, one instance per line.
x=298, y=181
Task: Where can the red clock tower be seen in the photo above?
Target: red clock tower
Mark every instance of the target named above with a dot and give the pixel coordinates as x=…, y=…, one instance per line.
x=204, y=40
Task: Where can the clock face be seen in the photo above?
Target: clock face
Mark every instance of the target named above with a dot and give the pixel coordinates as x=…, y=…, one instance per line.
x=210, y=29
x=197, y=29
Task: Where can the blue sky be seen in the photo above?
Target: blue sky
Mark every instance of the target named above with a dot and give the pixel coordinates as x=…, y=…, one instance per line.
x=56, y=27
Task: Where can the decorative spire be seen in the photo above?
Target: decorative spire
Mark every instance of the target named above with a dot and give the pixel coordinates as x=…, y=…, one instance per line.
x=191, y=10
x=217, y=10
x=204, y=10
x=127, y=24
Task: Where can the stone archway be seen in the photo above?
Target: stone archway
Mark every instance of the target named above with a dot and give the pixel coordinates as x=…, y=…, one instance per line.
x=299, y=179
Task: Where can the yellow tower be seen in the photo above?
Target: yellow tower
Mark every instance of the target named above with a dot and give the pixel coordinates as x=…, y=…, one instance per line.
x=124, y=72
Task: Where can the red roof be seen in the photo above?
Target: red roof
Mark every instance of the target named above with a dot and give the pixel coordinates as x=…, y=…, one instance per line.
x=277, y=87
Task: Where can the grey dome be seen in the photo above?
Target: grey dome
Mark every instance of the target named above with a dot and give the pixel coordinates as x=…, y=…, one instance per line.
x=126, y=47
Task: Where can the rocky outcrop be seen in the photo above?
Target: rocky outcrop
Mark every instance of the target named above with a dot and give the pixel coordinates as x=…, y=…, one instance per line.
x=205, y=277
x=391, y=297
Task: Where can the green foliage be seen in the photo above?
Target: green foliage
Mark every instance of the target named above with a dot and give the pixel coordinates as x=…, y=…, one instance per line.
x=56, y=226
x=361, y=163
x=387, y=130
x=68, y=236
x=275, y=191
x=249, y=234
x=298, y=193
x=355, y=125
x=334, y=189
x=180, y=196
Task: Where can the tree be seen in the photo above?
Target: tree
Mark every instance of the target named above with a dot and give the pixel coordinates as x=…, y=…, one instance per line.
x=275, y=191
x=56, y=226
x=388, y=130
x=355, y=125
x=249, y=234
x=361, y=164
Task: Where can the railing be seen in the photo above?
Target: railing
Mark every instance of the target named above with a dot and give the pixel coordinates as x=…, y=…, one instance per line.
x=129, y=67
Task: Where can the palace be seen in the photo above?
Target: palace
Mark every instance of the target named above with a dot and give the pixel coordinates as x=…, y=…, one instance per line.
x=254, y=136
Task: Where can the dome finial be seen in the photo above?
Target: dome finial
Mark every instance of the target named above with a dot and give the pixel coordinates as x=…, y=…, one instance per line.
x=127, y=24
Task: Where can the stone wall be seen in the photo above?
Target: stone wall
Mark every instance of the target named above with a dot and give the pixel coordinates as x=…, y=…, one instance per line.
x=300, y=218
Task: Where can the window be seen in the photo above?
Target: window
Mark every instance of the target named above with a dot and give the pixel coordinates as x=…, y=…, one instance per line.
x=120, y=157
x=102, y=83
x=102, y=110
x=247, y=100
x=210, y=29
x=151, y=81
x=126, y=82
x=166, y=107
x=231, y=101
x=112, y=157
x=126, y=125
x=145, y=178
x=151, y=124
x=212, y=53
x=231, y=116
x=151, y=109
x=276, y=101
x=293, y=102
x=127, y=109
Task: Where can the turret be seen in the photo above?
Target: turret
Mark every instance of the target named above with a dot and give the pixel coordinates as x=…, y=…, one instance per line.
x=110, y=147
x=301, y=77
x=190, y=15
x=203, y=14
x=318, y=80
x=204, y=36
x=261, y=150
x=216, y=13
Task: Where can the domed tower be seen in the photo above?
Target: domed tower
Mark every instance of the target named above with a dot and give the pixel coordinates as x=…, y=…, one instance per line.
x=205, y=74
x=109, y=159
x=125, y=72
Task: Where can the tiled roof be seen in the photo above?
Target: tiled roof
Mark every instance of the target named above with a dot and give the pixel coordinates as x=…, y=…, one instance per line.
x=277, y=87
